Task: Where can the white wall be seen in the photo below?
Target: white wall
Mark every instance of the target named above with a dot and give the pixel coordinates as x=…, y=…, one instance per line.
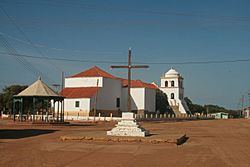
x=137, y=98
x=107, y=95
x=150, y=99
x=83, y=82
x=69, y=106
x=124, y=99
x=141, y=99
x=84, y=104
x=168, y=92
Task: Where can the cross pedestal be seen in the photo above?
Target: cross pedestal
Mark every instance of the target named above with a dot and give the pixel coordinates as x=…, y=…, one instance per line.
x=128, y=127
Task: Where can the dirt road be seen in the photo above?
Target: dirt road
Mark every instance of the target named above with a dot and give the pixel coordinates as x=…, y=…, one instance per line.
x=211, y=143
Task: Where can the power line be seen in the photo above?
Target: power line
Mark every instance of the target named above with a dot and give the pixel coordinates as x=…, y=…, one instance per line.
x=25, y=36
x=120, y=62
x=59, y=49
x=62, y=59
x=139, y=11
x=27, y=65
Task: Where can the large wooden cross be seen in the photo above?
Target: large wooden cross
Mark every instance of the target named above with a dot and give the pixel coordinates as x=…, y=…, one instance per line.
x=129, y=67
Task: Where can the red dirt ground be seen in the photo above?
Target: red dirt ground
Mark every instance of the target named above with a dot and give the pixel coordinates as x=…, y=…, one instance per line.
x=211, y=143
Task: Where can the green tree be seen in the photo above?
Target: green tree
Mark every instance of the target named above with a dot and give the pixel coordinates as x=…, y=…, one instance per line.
x=210, y=108
x=1, y=102
x=162, y=103
x=215, y=108
x=194, y=108
x=6, y=97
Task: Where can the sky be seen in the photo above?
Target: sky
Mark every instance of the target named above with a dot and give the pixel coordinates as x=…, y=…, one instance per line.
x=208, y=42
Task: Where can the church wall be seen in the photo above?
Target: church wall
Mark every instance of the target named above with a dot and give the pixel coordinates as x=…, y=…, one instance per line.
x=138, y=98
x=150, y=99
x=72, y=110
x=142, y=99
x=108, y=94
x=84, y=104
x=124, y=99
x=83, y=82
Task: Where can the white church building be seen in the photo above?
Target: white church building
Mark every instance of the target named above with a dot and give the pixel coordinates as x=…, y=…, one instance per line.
x=172, y=86
x=95, y=89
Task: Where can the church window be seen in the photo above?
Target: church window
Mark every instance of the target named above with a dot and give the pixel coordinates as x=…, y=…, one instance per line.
x=166, y=83
x=172, y=95
x=77, y=104
x=118, y=102
x=172, y=83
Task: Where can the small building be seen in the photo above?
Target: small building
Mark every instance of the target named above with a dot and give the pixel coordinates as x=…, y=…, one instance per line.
x=246, y=113
x=95, y=91
x=172, y=85
x=220, y=115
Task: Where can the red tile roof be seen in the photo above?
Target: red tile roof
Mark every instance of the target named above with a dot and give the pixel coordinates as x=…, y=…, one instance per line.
x=94, y=72
x=138, y=84
x=88, y=92
x=82, y=92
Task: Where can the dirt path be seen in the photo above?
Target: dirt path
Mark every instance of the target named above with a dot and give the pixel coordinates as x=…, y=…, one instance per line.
x=211, y=143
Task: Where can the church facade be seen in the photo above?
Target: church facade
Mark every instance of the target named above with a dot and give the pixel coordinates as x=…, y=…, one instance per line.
x=96, y=90
x=172, y=85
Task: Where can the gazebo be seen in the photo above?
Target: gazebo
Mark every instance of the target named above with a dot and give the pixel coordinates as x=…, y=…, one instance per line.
x=38, y=102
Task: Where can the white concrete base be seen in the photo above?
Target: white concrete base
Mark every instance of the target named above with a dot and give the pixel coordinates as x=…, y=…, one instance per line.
x=128, y=127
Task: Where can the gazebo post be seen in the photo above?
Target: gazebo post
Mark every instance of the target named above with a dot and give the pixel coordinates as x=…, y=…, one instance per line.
x=42, y=107
x=57, y=115
x=61, y=114
x=14, y=109
x=21, y=109
x=33, y=108
x=28, y=114
x=47, y=111
x=63, y=109
x=53, y=110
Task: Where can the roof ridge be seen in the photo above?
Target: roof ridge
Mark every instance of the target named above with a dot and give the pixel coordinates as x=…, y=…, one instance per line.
x=38, y=88
x=94, y=72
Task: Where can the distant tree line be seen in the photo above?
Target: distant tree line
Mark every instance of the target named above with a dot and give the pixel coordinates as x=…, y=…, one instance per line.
x=6, y=97
x=210, y=108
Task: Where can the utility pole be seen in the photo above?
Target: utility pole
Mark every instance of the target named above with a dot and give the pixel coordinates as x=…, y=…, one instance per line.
x=97, y=82
x=242, y=105
x=249, y=99
x=129, y=67
x=62, y=103
x=62, y=86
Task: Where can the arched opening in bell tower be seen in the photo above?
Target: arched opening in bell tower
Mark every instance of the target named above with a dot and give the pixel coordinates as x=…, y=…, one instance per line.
x=172, y=95
x=166, y=83
x=172, y=83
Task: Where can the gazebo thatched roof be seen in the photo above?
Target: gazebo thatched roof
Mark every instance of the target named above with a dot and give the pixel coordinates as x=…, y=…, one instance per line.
x=38, y=88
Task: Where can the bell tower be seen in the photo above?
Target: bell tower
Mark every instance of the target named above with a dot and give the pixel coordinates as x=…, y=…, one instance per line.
x=172, y=86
